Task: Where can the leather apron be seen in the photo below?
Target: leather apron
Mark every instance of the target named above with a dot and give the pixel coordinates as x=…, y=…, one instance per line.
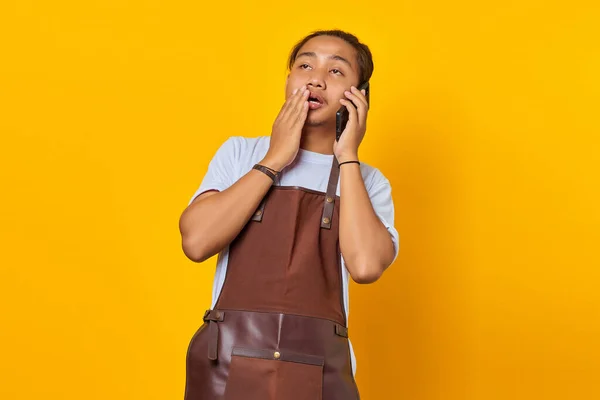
x=278, y=330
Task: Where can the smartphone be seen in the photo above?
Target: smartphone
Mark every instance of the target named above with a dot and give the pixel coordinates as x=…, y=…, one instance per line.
x=341, y=117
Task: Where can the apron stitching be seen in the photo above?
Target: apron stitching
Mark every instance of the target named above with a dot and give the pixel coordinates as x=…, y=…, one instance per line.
x=279, y=331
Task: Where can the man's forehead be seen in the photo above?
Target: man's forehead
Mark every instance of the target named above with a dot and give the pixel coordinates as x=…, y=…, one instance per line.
x=329, y=47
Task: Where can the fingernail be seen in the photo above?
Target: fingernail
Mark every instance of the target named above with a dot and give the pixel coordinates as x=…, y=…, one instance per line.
x=364, y=92
x=295, y=91
x=347, y=92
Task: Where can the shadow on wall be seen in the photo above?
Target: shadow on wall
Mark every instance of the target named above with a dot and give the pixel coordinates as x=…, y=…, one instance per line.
x=410, y=327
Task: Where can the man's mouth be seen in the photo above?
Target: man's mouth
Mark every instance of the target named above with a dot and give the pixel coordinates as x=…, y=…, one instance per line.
x=315, y=101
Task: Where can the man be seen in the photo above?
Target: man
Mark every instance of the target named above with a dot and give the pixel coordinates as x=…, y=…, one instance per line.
x=281, y=211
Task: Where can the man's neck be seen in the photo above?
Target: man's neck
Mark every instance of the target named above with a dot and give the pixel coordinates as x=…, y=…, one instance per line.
x=318, y=140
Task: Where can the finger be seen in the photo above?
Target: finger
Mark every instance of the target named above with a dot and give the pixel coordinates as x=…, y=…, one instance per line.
x=360, y=103
x=364, y=93
x=361, y=94
x=290, y=99
x=282, y=110
x=301, y=118
x=286, y=106
x=296, y=105
x=352, y=112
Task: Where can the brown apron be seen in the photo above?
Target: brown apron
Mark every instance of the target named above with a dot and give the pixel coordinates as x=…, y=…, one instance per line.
x=278, y=329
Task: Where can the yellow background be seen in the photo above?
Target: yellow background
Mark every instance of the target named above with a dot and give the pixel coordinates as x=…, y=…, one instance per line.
x=484, y=117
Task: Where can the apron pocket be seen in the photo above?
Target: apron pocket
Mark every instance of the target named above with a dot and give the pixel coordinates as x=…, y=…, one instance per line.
x=259, y=374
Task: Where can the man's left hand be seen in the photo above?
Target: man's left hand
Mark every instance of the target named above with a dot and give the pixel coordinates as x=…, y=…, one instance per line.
x=346, y=149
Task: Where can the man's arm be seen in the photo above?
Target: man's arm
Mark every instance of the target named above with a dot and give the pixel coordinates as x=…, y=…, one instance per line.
x=365, y=242
x=214, y=219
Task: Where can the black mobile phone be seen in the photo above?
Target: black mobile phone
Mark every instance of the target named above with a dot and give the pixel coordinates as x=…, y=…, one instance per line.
x=341, y=117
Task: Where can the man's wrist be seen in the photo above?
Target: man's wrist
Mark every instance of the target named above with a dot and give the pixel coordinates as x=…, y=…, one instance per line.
x=272, y=164
x=347, y=157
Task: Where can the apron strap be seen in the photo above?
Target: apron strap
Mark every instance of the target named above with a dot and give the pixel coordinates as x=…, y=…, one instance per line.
x=258, y=214
x=212, y=317
x=341, y=330
x=260, y=211
x=329, y=204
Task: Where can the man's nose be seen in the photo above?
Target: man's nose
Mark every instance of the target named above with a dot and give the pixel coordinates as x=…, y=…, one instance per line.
x=316, y=80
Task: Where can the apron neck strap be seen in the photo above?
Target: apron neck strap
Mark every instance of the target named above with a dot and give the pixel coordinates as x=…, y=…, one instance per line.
x=330, y=195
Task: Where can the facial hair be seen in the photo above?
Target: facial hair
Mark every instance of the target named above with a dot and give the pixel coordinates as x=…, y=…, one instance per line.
x=315, y=122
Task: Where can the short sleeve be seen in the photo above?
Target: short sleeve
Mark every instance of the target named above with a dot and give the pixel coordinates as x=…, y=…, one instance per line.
x=381, y=199
x=222, y=169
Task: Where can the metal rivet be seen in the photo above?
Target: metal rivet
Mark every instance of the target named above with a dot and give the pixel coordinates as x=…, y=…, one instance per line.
x=330, y=199
x=277, y=355
x=258, y=213
x=326, y=220
x=218, y=315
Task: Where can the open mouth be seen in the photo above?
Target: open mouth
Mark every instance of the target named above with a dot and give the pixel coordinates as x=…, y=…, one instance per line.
x=315, y=101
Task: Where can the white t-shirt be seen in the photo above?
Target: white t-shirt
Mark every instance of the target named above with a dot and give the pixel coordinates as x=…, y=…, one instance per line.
x=236, y=157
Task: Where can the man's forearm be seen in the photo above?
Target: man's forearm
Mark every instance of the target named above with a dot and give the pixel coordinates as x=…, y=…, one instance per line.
x=210, y=223
x=365, y=242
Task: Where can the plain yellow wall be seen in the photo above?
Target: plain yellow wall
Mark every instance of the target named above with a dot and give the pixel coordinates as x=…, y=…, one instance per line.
x=485, y=117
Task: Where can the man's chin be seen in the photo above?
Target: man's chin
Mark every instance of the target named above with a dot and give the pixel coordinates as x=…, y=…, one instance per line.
x=315, y=122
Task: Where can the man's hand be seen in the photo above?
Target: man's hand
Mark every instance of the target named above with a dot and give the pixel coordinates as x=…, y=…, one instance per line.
x=287, y=131
x=346, y=149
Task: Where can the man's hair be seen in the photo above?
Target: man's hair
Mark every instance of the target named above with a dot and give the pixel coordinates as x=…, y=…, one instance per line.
x=363, y=54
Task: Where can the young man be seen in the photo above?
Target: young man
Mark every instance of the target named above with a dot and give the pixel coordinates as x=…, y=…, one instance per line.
x=281, y=211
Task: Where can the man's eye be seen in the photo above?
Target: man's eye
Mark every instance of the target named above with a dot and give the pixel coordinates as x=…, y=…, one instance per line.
x=304, y=66
x=336, y=71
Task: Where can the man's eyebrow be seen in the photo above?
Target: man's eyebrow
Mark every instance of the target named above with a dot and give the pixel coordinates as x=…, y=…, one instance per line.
x=333, y=57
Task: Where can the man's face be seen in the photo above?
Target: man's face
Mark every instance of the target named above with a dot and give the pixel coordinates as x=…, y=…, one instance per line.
x=327, y=65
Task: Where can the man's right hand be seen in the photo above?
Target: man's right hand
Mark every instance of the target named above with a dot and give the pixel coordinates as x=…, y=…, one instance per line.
x=287, y=131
